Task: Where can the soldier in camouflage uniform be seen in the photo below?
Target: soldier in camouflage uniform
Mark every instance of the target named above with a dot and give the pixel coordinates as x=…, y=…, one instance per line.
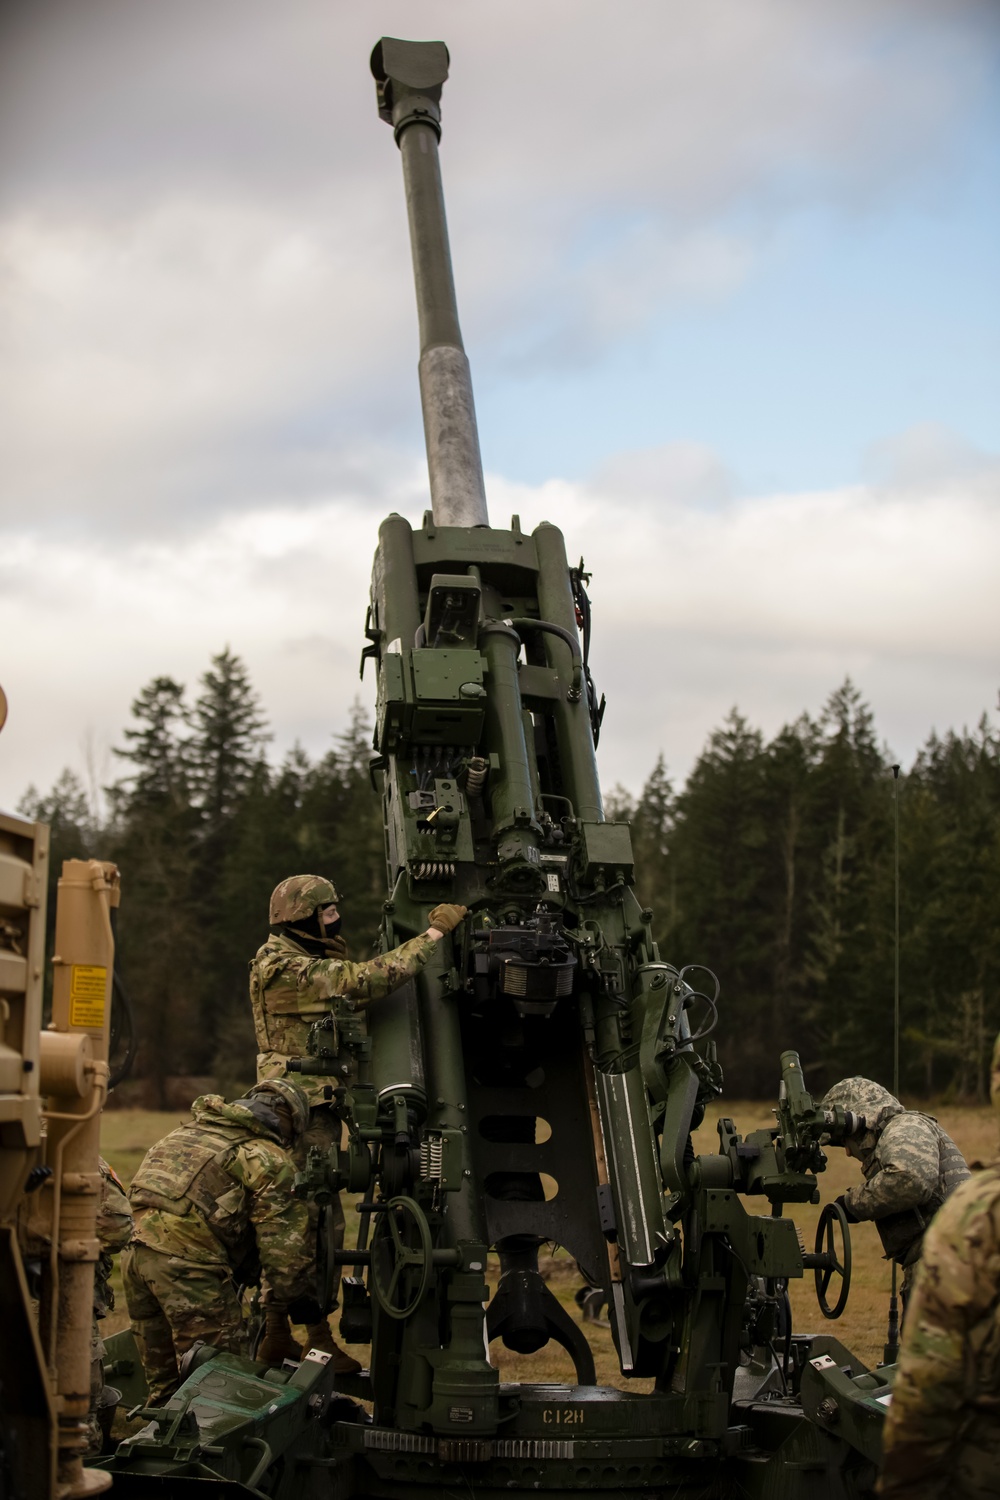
x=213, y=1207
x=300, y=975
x=114, y=1228
x=910, y=1166
x=942, y=1432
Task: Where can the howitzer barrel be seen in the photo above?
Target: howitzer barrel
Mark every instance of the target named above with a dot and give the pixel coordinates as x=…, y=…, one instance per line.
x=410, y=76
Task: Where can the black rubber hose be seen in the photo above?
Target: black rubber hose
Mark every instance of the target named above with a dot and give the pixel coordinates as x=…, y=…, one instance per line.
x=522, y=623
x=125, y=1066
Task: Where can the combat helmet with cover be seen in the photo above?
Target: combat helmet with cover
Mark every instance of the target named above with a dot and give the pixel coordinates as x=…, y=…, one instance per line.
x=266, y=1098
x=868, y=1099
x=296, y=898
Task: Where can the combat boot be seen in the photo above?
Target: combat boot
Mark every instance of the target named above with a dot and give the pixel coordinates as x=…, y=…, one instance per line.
x=277, y=1343
x=318, y=1336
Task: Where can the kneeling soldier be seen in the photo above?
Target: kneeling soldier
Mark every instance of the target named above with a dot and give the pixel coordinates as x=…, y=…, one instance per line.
x=213, y=1208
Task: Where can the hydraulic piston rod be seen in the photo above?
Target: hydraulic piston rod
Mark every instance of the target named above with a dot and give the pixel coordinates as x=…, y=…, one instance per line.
x=410, y=76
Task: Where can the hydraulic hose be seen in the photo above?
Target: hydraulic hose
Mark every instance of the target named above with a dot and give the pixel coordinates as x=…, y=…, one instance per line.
x=522, y=623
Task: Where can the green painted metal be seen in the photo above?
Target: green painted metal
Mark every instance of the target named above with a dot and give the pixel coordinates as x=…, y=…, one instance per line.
x=409, y=76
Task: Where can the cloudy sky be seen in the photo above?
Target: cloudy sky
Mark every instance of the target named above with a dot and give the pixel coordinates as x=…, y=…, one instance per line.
x=728, y=280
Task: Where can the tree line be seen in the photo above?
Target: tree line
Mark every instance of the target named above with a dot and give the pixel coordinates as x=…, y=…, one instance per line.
x=773, y=865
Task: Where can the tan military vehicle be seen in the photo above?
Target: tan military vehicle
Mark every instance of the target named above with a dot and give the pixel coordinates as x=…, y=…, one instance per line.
x=53, y=1083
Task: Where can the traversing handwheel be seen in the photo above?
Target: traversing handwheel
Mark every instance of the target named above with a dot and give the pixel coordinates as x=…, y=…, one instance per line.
x=326, y=1266
x=826, y=1264
x=401, y=1257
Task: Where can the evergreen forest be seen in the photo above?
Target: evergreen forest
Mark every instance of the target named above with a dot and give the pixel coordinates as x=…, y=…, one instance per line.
x=773, y=865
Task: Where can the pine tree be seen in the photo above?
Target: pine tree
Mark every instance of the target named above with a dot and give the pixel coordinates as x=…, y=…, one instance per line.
x=950, y=833
x=157, y=749
x=652, y=819
x=721, y=893
x=230, y=782
x=849, y=959
x=227, y=745
x=66, y=810
x=789, y=860
x=153, y=842
x=773, y=865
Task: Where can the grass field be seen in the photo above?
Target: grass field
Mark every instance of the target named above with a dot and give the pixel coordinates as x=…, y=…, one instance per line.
x=127, y=1134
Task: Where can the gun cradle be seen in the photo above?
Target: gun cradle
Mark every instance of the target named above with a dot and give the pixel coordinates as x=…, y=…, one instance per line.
x=548, y=1043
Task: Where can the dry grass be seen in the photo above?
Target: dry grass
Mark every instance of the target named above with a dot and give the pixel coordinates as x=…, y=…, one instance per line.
x=127, y=1134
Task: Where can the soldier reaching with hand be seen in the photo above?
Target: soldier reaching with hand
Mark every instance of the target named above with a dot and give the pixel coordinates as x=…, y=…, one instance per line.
x=213, y=1208
x=299, y=976
x=942, y=1431
x=910, y=1167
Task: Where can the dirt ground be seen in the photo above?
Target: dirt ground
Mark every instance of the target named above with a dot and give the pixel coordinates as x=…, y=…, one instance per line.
x=127, y=1134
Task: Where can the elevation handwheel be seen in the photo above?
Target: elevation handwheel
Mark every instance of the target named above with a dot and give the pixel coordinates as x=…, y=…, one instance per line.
x=401, y=1257
x=326, y=1266
x=826, y=1264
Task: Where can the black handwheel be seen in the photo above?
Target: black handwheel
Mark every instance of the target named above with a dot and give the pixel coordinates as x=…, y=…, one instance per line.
x=326, y=1266
x=401, y=1258
x=827, y=1265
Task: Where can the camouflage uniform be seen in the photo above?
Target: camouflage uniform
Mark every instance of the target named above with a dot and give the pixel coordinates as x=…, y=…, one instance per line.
x=213, y=1205
x=290, y=989
x=942, y=1432
x=910, y=1166
x=114, y=1228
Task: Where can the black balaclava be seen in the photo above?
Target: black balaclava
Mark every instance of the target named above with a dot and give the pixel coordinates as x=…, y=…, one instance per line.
x=313, y=934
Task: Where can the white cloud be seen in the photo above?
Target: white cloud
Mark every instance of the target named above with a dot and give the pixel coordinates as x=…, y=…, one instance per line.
x=208, y=345
x=927, y=456
x=188, y=359
x=665, y=99
x=768, y=602
x=203, y=257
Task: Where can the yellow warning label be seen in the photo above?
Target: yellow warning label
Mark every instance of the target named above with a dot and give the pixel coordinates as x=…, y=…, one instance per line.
x=87, y=989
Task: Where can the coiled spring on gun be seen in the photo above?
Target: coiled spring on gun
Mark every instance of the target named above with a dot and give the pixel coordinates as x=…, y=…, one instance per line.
x=431, y=1159
x=475, y=776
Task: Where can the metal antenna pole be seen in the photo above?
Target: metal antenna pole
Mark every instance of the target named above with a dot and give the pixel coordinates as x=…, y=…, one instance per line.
x=895, y=987
x=890, y=1352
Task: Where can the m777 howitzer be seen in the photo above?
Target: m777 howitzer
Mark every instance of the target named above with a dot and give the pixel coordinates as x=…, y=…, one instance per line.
x=539, y=1082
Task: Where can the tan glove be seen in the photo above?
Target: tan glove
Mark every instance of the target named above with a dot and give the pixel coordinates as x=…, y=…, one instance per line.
x=447, y=917
x=336, y=947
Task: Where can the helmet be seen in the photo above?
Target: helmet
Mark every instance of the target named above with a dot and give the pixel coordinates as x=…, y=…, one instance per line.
x=297, y=898
x=283, y=1091
x=864, y=1097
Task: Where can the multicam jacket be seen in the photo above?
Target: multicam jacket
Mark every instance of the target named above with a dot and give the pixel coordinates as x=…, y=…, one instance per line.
x=289, y=990
x=114, y=1229
x=218, y=1191
x=910, y=1166
x=942, y=1433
